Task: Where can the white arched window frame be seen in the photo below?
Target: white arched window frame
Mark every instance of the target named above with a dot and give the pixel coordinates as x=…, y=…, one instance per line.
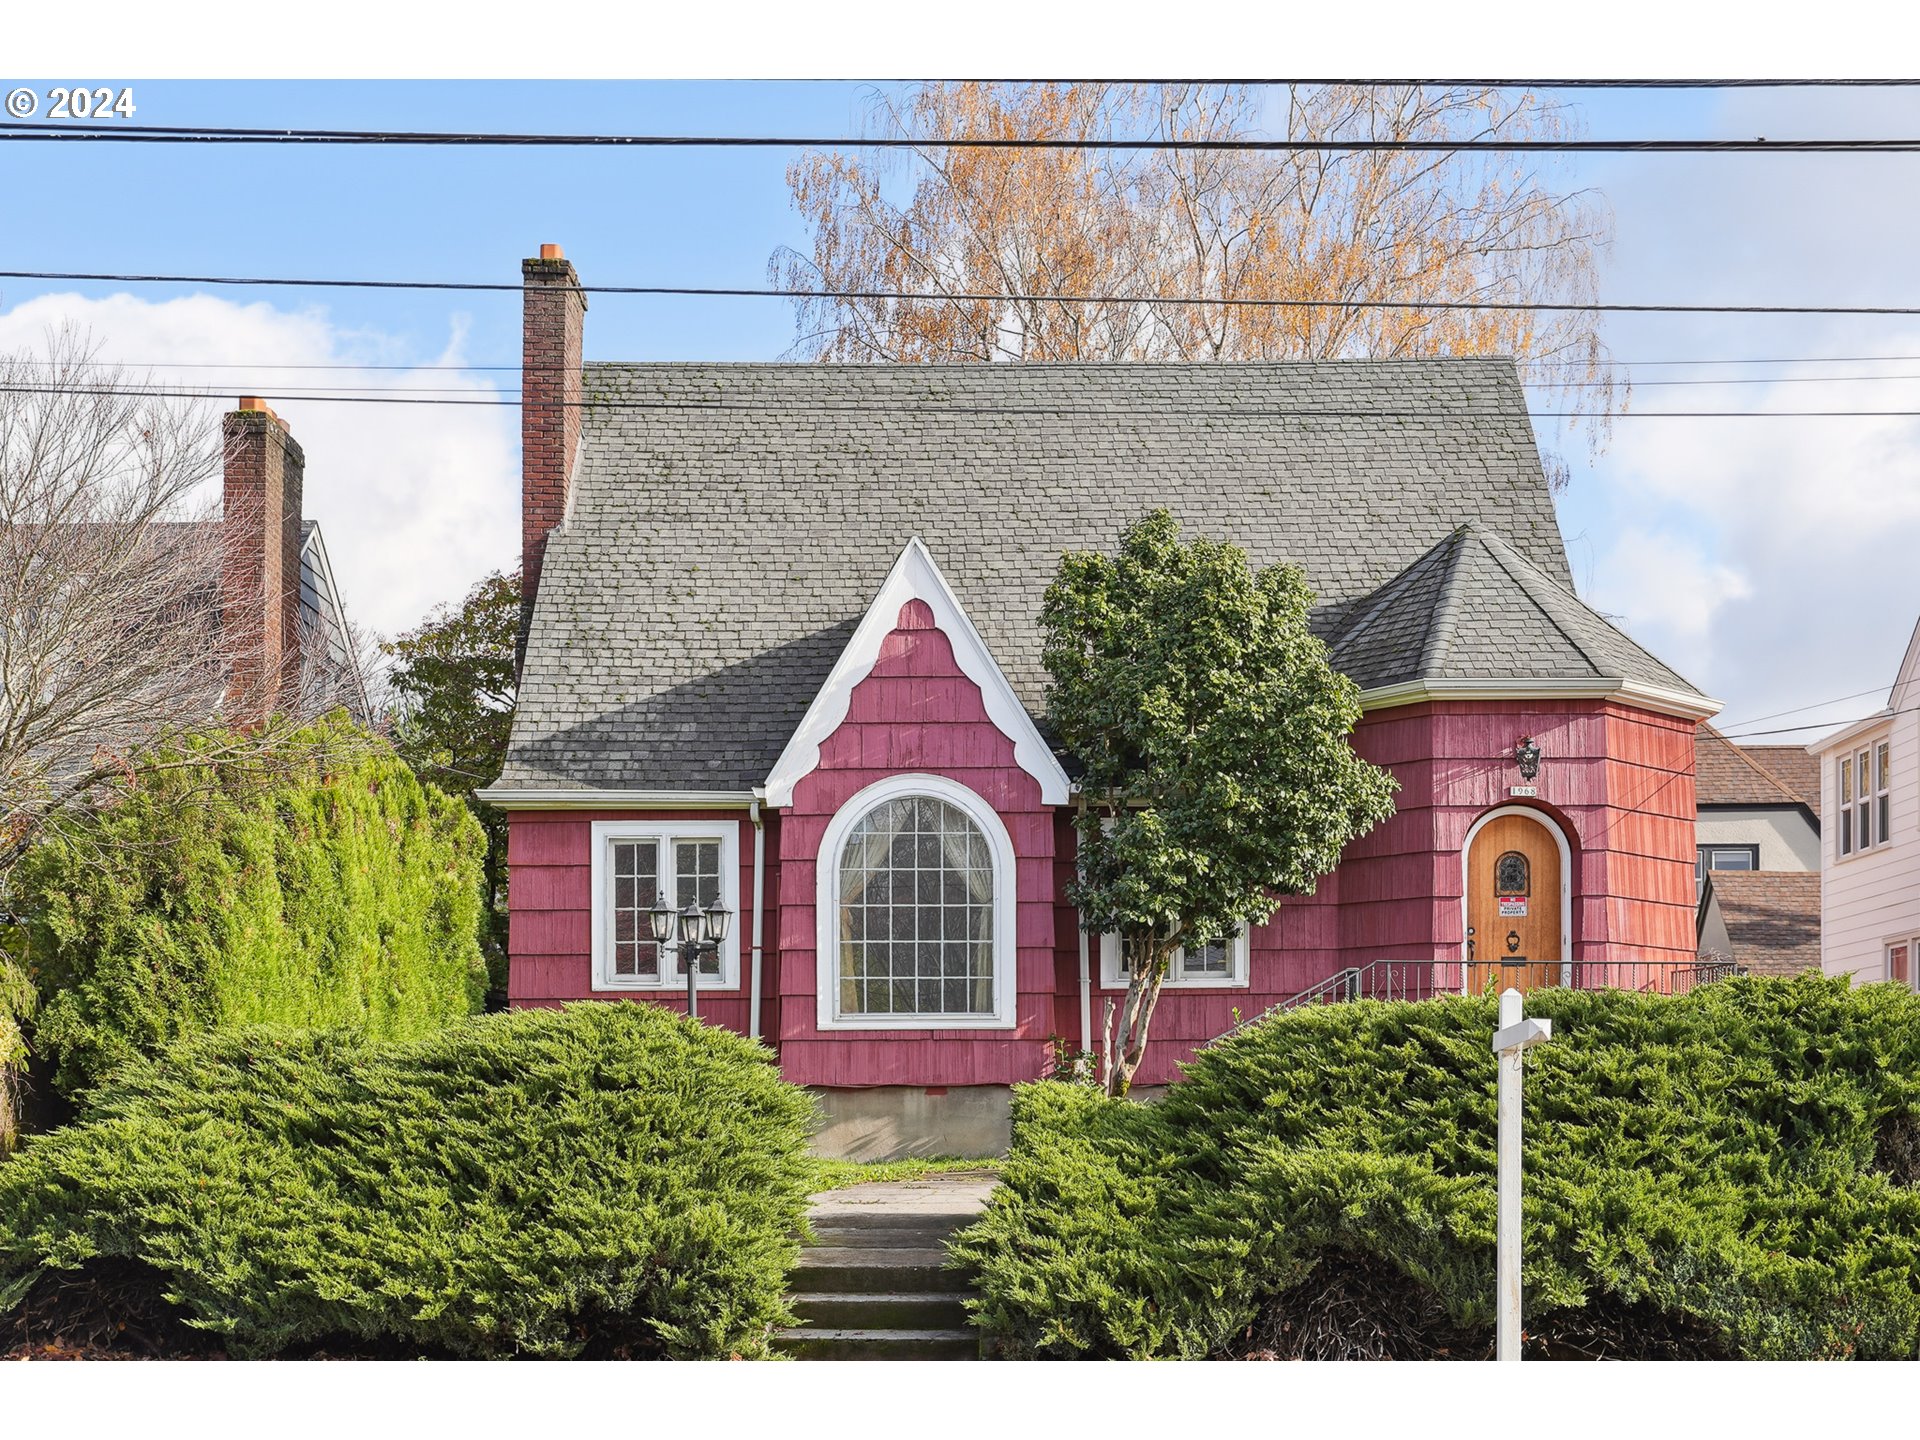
x=827, y=907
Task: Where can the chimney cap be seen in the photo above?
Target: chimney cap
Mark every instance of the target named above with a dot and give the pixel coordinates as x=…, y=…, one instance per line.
x=551, y=252
x=255, y=403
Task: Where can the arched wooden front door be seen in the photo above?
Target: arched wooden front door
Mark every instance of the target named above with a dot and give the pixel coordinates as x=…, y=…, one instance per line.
x=1513, y=904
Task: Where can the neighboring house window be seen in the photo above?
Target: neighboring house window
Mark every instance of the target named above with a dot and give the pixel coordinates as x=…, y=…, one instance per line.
x=1217, y=964
x=1882, y=793
x=1722, y=857
x=1866, y=798
x=637, y=861
x=1900, y=961
x=917, y=910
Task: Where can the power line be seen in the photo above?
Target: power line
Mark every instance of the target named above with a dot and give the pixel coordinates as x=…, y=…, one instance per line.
x=259, y=135
x=828, y=407
x=1469, y=84
x=1800, y=710
x=1827, y=724
x=479, y=367
x=712, y=292
x=239, y=367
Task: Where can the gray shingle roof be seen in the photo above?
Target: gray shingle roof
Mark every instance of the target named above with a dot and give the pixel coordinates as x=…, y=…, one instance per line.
x=730, y=523
x=1473, y=607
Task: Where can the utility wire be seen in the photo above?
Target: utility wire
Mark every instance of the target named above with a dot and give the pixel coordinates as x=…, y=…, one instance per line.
x=242, y=367
x=1408, y=83
x=536, y=371
x=1827, y=724
x=961, y=298
x=1546, y=362
x=258, y=135
x=828, y=407
x=1799, y=709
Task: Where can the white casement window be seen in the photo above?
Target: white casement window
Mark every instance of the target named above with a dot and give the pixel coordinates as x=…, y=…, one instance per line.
x=916, y=910
x=637, y=861
x=1866, y=798
x=1217, y=965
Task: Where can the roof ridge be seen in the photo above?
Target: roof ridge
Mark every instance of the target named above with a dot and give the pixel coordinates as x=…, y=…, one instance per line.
x=1440, y=627
x=1494, y=546
x=1753, y=764
x=975, y=367
x=1391, y=590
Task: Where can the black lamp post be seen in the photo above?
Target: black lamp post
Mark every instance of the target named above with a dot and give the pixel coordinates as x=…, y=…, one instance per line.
x=699, y=932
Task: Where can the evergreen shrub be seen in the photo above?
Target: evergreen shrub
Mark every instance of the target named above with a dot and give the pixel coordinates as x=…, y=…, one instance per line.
x=1727, y=1172
x=606, y=1178
x=320, y=885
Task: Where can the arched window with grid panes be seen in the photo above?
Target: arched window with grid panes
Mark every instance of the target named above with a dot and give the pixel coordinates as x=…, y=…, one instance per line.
x=916, y=910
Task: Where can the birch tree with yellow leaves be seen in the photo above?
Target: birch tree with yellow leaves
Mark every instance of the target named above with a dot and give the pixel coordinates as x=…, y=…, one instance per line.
x=1143, y=234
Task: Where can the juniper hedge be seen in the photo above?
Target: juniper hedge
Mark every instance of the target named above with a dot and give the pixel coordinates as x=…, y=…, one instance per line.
x=606, y=1178
x=1735, y=1171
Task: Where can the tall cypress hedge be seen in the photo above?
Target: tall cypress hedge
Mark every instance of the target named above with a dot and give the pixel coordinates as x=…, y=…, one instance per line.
x=1731, y=1172
x=321, y=885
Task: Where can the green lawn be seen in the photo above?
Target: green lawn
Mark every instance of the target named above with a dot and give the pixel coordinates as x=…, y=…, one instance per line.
x=838, y=1174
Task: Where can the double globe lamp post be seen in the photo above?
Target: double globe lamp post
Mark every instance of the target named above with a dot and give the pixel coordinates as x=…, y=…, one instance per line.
x=699, y=932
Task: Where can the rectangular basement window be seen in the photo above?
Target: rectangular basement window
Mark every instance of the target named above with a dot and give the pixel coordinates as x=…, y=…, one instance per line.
x=1217, y=965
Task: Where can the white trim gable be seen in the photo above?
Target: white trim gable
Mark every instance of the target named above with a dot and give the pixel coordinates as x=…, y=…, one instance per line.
x=1906, y=685
x=915, y=576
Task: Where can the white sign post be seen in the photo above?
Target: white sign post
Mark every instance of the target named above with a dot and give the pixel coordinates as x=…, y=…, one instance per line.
x=1513, y=1037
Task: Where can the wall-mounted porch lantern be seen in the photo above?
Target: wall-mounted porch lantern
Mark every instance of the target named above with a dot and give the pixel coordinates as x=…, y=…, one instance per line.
x=1527, y=756
x=700, y=932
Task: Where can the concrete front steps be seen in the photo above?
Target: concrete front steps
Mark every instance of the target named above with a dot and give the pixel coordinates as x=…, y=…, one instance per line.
x=872, y=1285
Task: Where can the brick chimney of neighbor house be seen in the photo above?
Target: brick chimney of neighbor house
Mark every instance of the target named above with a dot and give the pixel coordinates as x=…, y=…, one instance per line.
x=553, y=317
x=260, y=567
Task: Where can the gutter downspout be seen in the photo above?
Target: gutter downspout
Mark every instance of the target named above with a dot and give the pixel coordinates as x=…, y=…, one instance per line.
x=1086, y=968
x=759, y=917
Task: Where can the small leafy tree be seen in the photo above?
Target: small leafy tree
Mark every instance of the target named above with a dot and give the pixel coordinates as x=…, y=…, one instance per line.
x=452, y=680
x=1212, y=729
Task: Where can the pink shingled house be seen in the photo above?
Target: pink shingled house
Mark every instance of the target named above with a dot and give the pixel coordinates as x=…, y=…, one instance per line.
x=782, y=652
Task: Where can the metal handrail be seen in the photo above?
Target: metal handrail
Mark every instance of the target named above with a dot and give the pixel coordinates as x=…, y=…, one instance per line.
x=1441, y=979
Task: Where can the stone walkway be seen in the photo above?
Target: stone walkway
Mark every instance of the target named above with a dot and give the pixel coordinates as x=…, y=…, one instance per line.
x=872, y=1285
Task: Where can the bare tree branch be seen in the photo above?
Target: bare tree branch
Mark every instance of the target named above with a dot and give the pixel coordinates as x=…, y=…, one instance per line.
x=115, y=627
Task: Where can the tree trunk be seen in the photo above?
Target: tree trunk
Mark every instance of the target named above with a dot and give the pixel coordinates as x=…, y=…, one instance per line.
x=1146, y=970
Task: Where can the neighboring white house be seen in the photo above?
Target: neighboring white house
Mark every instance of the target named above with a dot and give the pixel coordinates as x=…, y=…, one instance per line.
x=1757, y=866
x=1870, y=852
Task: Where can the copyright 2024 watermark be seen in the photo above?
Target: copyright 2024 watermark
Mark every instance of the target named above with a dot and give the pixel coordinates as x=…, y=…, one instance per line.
x=71, y=102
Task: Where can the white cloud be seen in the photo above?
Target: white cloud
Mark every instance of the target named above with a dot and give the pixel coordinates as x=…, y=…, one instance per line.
x=1666, y=592
x=1819, y=518
x=1773, y=561
x=417, y=501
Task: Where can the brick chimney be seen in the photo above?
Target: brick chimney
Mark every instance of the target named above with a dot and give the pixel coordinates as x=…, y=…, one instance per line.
x=553, y=315
x=260, y=568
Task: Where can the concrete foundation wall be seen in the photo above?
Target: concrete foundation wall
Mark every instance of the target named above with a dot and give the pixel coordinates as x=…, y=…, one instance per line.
x=893, y=1122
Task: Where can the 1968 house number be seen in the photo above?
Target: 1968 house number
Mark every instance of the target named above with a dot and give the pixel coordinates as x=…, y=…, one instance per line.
x=80, y=102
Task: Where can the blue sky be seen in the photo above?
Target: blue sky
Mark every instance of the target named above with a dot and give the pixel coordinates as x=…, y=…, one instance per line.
x=1772, y=561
